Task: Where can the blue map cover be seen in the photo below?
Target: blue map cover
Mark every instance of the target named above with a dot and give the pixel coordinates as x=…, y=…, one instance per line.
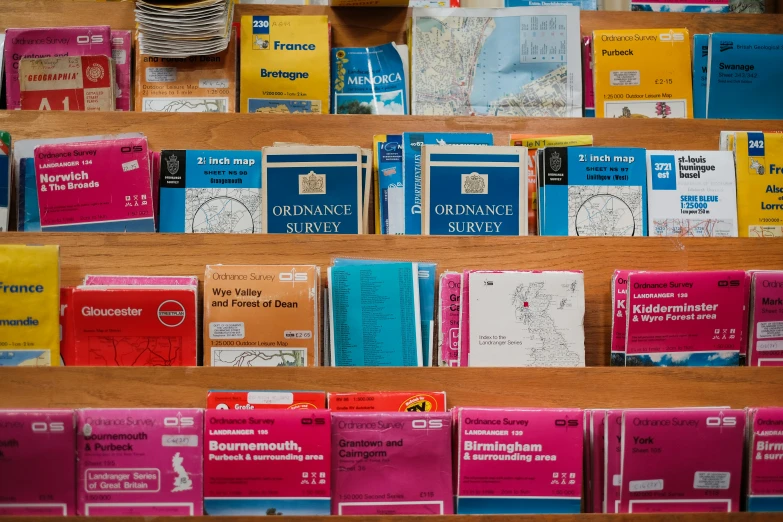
x=701, y=46
x=312, y=190
x=426, y=278
x=374, y=315
x=744, y=76
x=475, y=191
x=596, y=191
x=389, y=178
x=29, y=220
x=369, y=80
x=210, y=191
x=412, y=142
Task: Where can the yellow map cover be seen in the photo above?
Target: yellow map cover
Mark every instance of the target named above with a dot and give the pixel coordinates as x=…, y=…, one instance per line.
x=29, y=305
x=192, y=84
x=284, y=64
x=534, y=142
x=759, y=158
x=642, y=73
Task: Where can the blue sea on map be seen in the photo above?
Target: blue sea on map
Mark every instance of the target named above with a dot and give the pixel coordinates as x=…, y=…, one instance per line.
x=499, y=72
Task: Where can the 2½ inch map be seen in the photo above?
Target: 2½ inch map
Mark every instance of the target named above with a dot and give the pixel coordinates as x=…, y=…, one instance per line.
x=222, y=211
x=259, y=357
x=134, y=351
x=495, y=65
x=598, y=210
x=185, y=105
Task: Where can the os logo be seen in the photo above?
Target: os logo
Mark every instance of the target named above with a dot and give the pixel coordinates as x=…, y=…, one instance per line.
x=171, y=313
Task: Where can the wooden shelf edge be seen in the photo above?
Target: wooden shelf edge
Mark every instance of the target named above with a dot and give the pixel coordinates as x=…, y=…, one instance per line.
x=584, y=517
x=592, y=387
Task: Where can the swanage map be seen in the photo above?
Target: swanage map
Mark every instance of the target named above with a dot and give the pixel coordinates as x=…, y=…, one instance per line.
x=497, y=63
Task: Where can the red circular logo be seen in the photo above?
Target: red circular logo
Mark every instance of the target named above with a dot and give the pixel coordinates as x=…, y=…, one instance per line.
x=171, y=313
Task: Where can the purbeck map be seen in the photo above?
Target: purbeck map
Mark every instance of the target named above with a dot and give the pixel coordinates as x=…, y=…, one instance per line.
x=481, y=62
x=223, y=210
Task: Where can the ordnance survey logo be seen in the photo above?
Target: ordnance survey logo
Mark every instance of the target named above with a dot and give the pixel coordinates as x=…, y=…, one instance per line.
x=475, y=183
x=312, y=183
x=172, y=164
x=555, y=162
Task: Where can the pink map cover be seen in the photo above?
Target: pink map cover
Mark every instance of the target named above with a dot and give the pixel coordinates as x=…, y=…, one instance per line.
x=97, y=186
x=587, y=67
x=449, y=318
x=41, y=42
x=140, y=462
x=612, y=463
x=685, y=318
x=122, y=55
x=514, y=460
x=139, y=280
x=766, y=327
x=682, y=461
x=261, y=462
x=619, y=324
x=464, y=323
x=37, y=465
x=597, y=420
x=765, y=460
x=392, y=464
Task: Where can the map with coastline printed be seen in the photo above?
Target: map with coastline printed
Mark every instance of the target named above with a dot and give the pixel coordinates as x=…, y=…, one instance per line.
x=134, y=351
x=601, y=210
x=259, y=357
x=527, y=319
x=26, y=358
x=223, y=210
x=185, y=105
x=483, y=63
x=692, y=228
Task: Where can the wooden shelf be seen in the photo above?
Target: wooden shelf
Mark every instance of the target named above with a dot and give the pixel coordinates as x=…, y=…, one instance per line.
x=161, y=387
x=363, y=26
x=251, y=131
x=584, y=517
x=169, y=254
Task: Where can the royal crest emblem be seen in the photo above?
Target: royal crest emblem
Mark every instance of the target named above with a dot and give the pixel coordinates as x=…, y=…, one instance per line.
x=172, y=164
x=312, y=183
x=555, y=162
x=474, y=183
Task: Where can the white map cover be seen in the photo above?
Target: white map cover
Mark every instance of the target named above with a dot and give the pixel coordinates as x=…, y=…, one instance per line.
x=526, y=319
x=691, y=193
x=523, y=61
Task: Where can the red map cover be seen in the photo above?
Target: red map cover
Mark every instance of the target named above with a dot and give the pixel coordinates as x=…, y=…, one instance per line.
x=149, y=326
x=67, y=83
